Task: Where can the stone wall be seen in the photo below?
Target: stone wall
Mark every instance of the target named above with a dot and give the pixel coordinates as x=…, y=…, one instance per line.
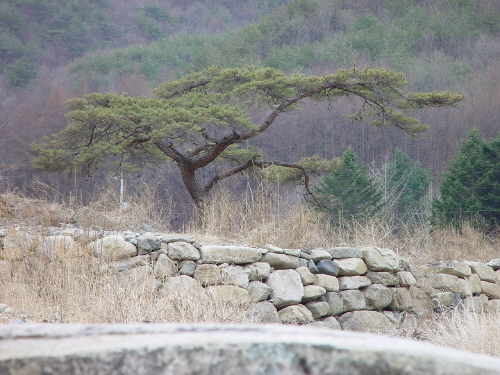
x=363, y=288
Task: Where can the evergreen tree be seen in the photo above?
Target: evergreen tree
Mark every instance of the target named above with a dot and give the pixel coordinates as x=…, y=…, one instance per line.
x=407, y=183
x=348, y=192
x=470, y=189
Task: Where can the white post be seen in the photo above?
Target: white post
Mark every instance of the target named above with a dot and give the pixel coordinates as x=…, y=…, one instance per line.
x=122, y=205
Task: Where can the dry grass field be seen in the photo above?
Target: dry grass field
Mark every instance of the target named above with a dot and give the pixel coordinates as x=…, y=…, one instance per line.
x=82, y=290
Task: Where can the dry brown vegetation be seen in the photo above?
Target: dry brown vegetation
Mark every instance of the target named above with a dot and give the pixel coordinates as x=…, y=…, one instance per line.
x=83, y=290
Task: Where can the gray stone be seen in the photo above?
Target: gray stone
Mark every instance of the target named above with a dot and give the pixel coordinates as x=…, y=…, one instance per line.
x=312, y=267
x=187, y=267
x=475, y=284
x=148, y=242
x=484, y=272
x=380, y=259
x=318, y=308
x=228, y=294
x=306, y=276
x=353, y=300
x=329, y=283
x=312, y=292
x=181, y=286
x=258, y=291
x=490, y=289
x=450, y=267
x=401, y=299
x=128, y=263
x=164, y=267
x=474, y=304
x=317, y=255
x=296, y=314
x=377, y=296
x=287, y=288
x=351, y=267
x=328, y=322
x=421, y=303
x=280, y=261
x=368, y=321
x=304, y=255
x=353, y=282
x=182, y=251
x=292, y=252
x=259, y=271
x=328, y=267
x=303, y=262
x=273, y=249
x=130, y=349
x=235, y=275
x=345, y=252
x=207, y=274
x=443, y=299
x=167, y=238
x=405, y=278
x=445, y=282
x=230, y=254
x=494, y=264
x=113, y=247
x=335, y=302
x=464, y=288
x=262, y=313
x=383, y=278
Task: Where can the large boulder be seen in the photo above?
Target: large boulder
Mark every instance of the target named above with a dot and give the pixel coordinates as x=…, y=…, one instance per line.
x=329, y=283
x=164, y=267
x=295, y=314
x=381, y=259
x=262, y=313
x=258, y=290
x=205, y=349
x=281, y=261
x=182, y=251
x=484, y=272
x=112, y=247
x=312, y=292
x=351, y=267
x=228, y=294
x=353, y=282
x=490, y=289
x=207, y=274
x=181, y=286
x=377, y=296
x=286, y=288
x=371, y=321
x=259, y=271
x=230, y=254
x=235, y=275
x=353, y=300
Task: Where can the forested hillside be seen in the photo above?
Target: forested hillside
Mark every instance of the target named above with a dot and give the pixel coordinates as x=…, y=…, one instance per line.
x=55, y=50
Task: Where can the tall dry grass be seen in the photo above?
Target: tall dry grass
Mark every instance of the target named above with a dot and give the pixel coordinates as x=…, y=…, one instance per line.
x=49, y=208
x=86, y=290
x=263, y=216
x=466, y=330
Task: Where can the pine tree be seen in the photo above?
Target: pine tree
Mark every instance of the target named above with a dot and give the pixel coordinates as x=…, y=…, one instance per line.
x=470, y=189
x=407, y=183
x=348, y=193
